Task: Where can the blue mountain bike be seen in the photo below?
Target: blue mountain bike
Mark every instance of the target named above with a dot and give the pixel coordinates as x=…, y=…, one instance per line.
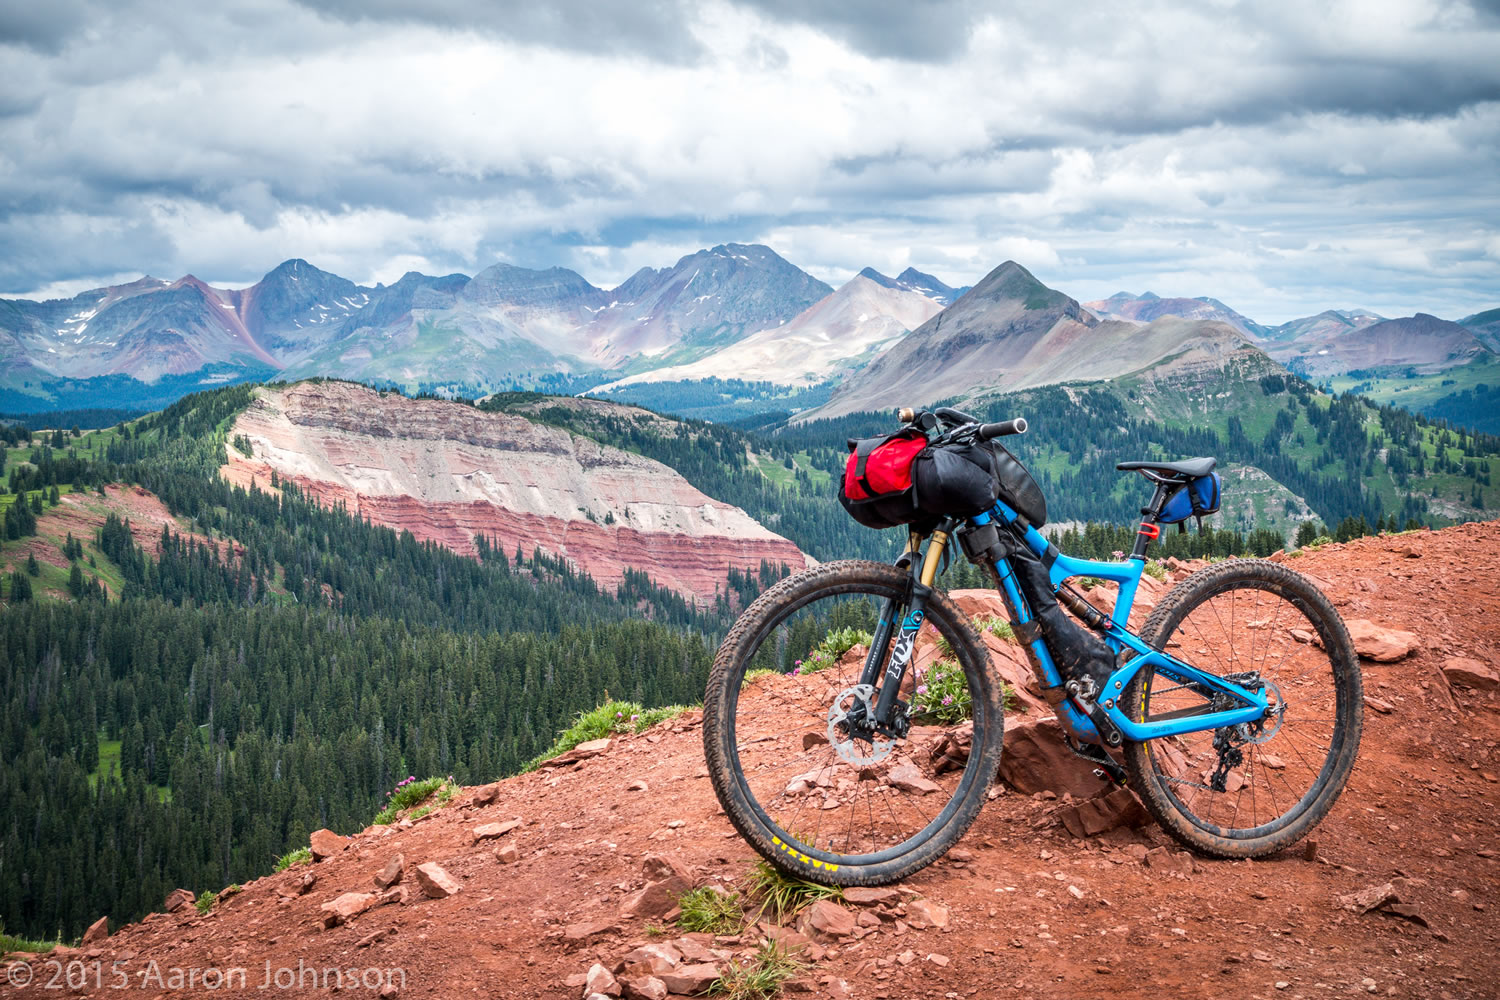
x=853, y=723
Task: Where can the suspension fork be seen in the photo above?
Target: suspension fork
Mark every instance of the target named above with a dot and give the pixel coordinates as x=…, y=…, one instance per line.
x=916, y=613
x=887, y=625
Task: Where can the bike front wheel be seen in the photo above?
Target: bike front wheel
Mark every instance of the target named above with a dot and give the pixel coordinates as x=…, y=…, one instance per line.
x=817, y=794
x=1248, y=790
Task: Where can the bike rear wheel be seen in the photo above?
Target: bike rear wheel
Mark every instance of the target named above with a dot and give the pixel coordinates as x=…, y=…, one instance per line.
x=813, y=793
x=1250, y=790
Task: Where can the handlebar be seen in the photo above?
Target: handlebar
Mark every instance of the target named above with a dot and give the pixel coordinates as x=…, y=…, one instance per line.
x=959, y=423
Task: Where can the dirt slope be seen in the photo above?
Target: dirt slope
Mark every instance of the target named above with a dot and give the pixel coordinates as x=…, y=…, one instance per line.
x=447, y=473
x=1033, y=911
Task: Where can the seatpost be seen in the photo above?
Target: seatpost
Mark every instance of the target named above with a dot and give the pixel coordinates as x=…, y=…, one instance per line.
x=1150, y=530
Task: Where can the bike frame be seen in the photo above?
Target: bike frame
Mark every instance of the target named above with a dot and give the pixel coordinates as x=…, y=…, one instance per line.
x=1252, y=704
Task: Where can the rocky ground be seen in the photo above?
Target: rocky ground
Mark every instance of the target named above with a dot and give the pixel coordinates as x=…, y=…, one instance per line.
x=560, y=882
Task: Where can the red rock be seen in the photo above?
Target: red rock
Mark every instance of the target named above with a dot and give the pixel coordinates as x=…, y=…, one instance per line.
x=436, y=882
x=508, y=854
x=922, y=913
x=487, y=831
x=1369, y=898
x=939, y=960
x=583, y=751
x=827, y=918
x=909, y=778
x=1036, y=760
x=695, y=952
x=391, y=873
x=1383, y=645
x=349, y=905
x=658, y=866
x=545, y=477
x=862, y=895
x=98, y=931
x=1167, y=859
x=656, y=898
x=644, y=988
x=650, y=959
x=588, y=929
x=325, y=844
x=177, y=899
x=690, y=979
x=600, y=980
x=1103, y=813
x=1469, y=673
x=487, y=794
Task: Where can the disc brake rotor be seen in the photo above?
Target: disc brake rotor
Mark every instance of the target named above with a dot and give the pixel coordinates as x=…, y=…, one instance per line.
x=848, y=720
x=1271, y=724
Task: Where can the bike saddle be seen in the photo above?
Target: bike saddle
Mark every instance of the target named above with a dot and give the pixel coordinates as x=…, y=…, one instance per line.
x=1190, y=467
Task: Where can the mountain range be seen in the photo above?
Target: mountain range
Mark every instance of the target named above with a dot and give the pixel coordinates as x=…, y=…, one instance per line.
x=738, y=313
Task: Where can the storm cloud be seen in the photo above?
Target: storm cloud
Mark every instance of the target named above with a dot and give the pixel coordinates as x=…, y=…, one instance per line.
x=1281, y=158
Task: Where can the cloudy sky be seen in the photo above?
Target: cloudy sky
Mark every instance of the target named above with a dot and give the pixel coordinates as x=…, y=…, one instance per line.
x=1283, y=156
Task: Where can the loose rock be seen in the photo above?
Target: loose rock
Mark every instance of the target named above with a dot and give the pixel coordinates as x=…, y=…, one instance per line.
x=177, y=899
x=1472, y=674
x=922, y=913
x=343, y=908
x=828, y=918
x=909, y=778
x=436, y=882
x=1103, y=813
x=690, y=979
x=391, y=873
x=1369, y=898
x=1383, y=645
x=600, y=980
x=98, y=931
x=325, y=844
x=656, y=898
x=488, y=831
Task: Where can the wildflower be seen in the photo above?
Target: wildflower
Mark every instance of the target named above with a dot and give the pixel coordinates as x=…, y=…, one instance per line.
x=634, y=718
x=798, y=663
x=1118, y=554
x=619, y=715
x=947, y=699
x=921, y=689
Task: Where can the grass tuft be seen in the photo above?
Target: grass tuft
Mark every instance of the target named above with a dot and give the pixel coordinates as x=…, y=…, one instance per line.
x=785, y=894
x=704, y=909
x=834, y=645
x=609, y=719
x=9, y=942
x=996, y=626
x=759, y=977
x=412, y=792
x=300, y=856
x=1155, y=570
x=206, y=902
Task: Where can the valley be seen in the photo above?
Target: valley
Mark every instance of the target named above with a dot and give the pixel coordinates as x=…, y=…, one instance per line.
x=248, y=614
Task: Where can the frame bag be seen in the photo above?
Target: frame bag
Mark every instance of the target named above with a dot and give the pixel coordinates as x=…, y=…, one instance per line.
x=1077, y=651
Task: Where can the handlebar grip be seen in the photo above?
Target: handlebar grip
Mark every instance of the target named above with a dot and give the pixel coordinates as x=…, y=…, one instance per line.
x=1002, y=429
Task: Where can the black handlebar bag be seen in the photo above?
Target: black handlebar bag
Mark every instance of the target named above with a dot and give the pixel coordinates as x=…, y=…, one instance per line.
x=956, y=480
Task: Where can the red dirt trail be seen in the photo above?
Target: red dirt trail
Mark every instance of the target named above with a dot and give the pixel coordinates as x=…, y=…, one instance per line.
x=1034, y=912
